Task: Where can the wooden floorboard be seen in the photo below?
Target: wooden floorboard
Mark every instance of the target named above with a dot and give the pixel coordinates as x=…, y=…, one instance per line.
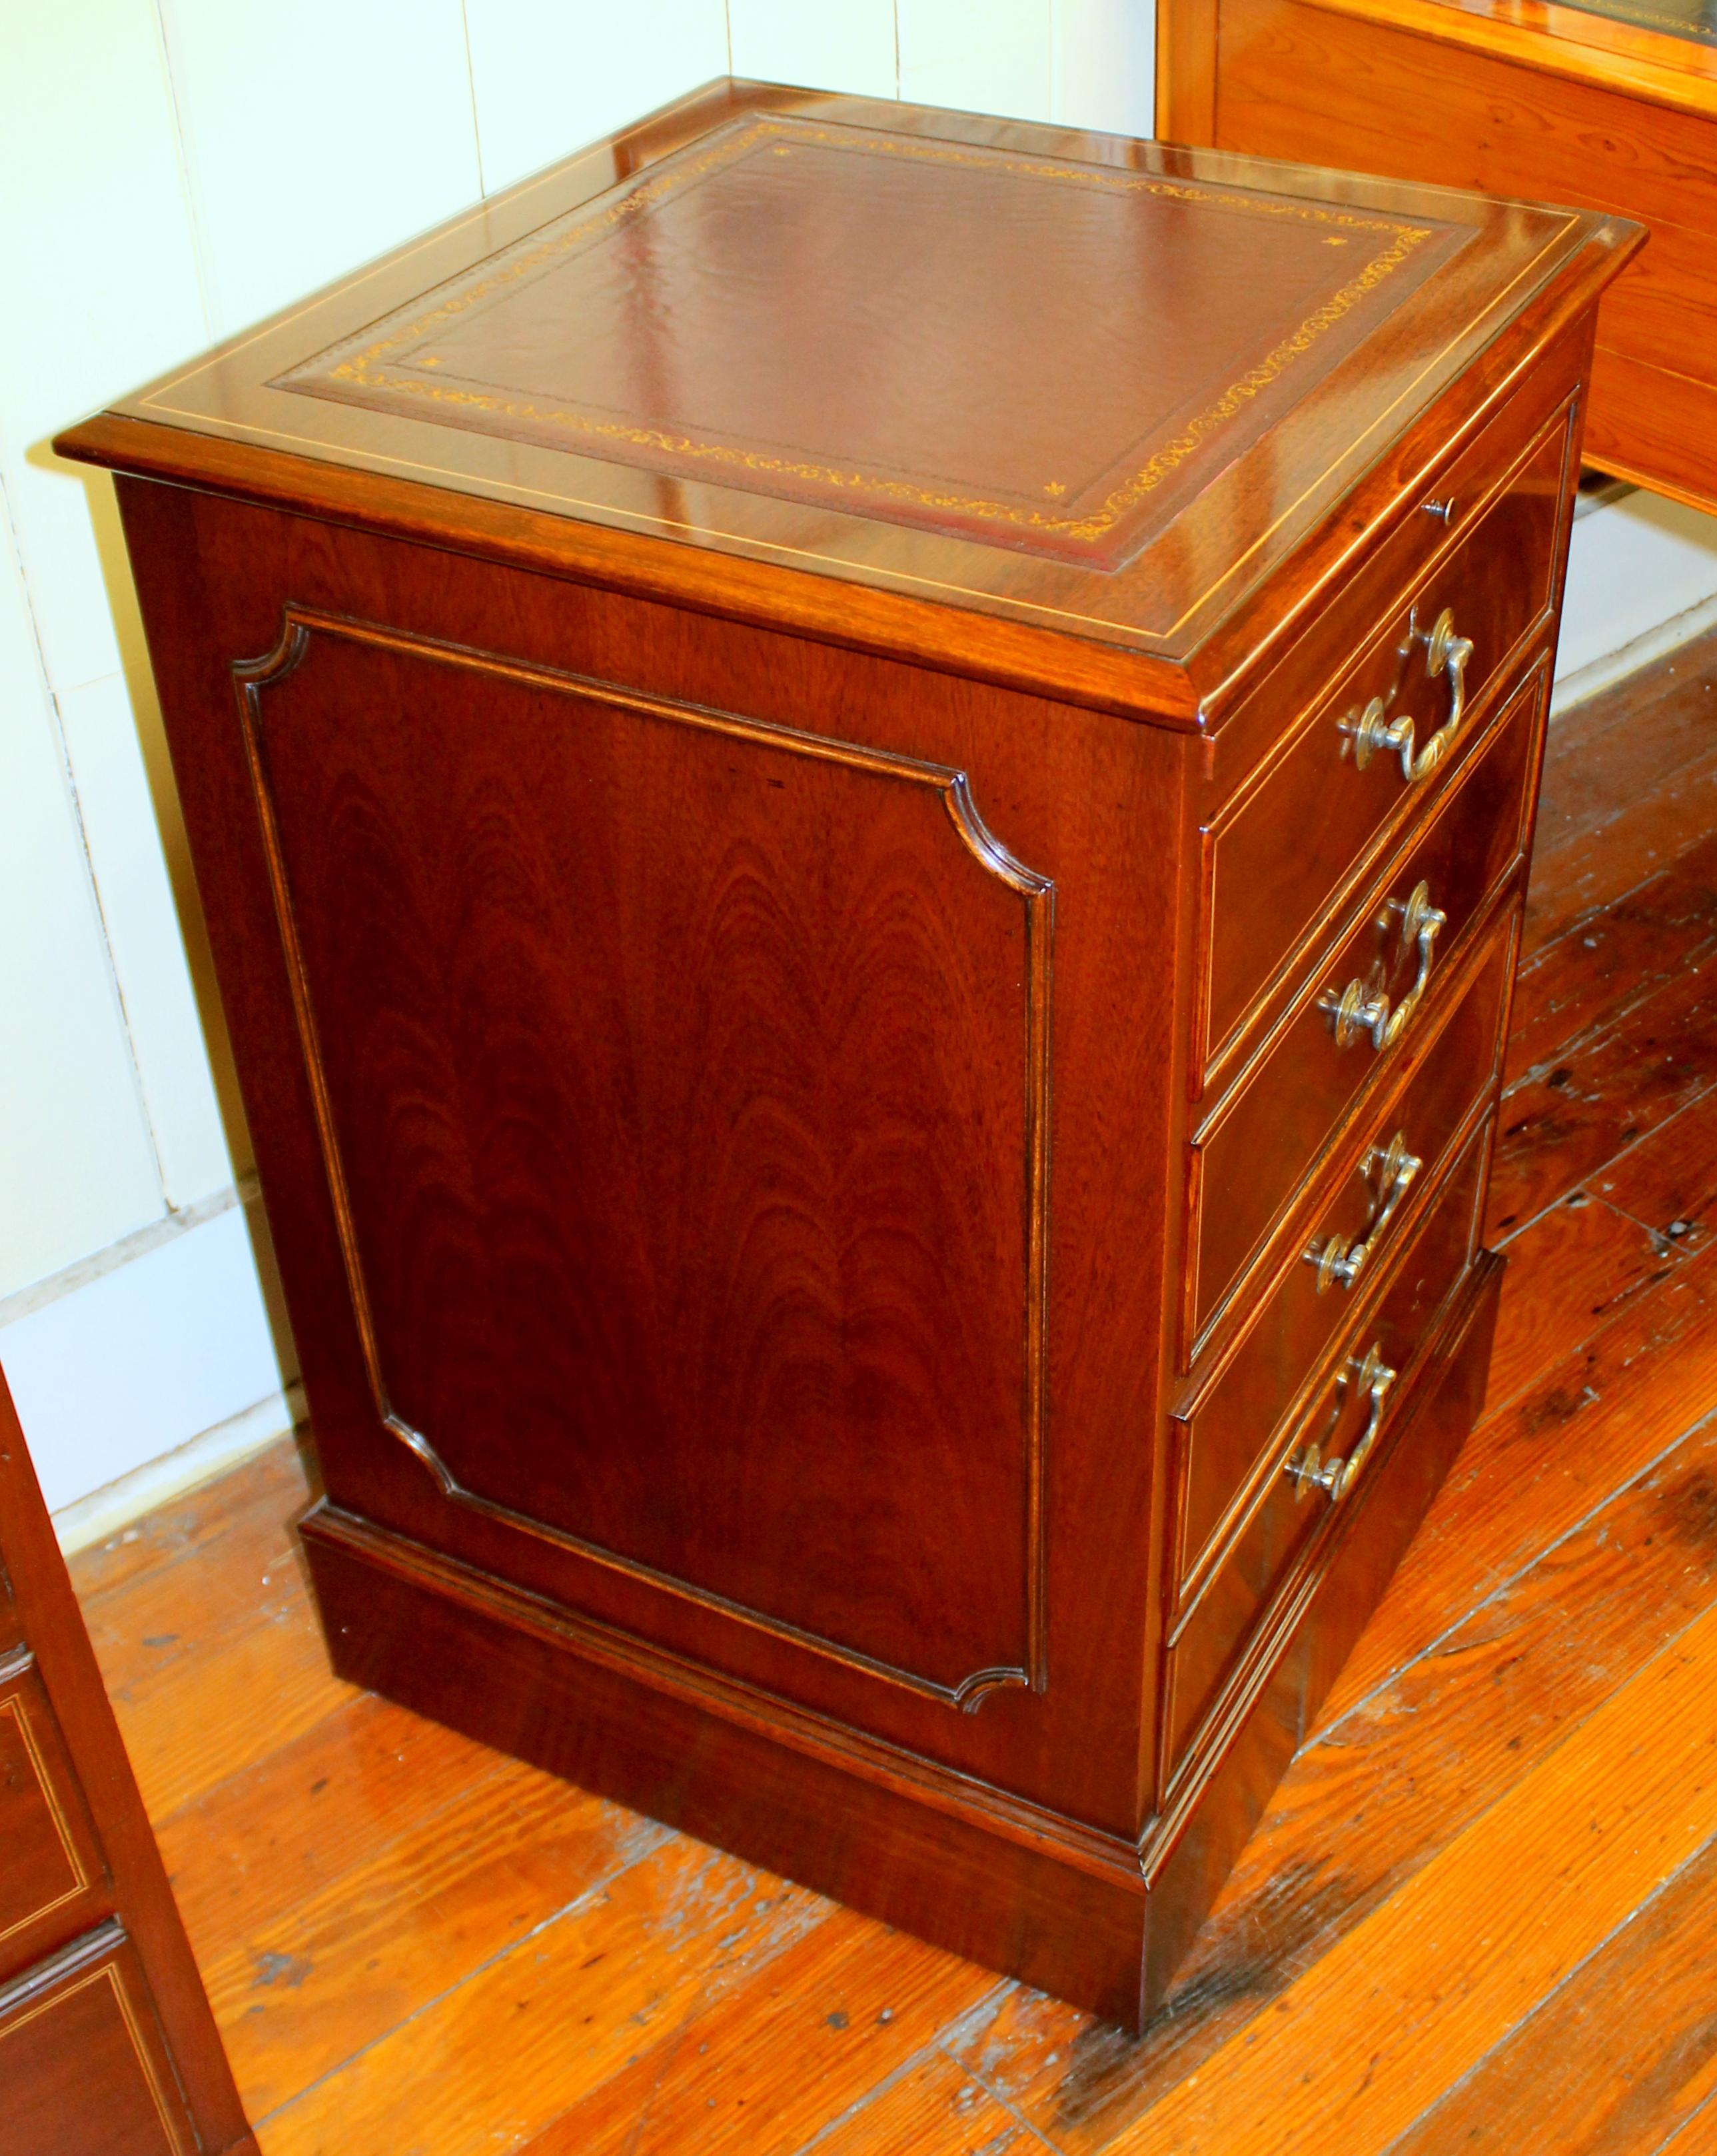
x=1481, y=1912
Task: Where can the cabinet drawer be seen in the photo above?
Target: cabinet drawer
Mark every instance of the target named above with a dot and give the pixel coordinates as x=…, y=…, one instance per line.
x=82, y=2063
x=1256, y=1149
x=53, y=1882
x=1278, y=856
x=1318, y=1462
x=1312, y=1298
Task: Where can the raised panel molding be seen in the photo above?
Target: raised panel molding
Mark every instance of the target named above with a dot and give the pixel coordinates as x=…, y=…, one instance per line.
x=911, y=919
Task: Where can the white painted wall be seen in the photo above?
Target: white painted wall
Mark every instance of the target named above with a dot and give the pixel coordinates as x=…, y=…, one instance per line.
x=170, y=169
x=1641, y=574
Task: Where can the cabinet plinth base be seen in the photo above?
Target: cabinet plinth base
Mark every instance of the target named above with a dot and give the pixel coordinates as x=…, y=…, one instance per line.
x=1072, y=1915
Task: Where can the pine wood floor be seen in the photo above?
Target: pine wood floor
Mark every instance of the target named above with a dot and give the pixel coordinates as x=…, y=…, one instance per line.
x=1482, y=1914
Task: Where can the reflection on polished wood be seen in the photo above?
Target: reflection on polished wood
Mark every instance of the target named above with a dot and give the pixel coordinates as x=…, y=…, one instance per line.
x=792, y=1056
x=1609, y=103
x=1500, y=1839
x=727, y=376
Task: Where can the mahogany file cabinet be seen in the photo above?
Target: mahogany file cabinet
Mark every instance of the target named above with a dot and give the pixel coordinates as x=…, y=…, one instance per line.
x=861, y=778
x=107, y=2045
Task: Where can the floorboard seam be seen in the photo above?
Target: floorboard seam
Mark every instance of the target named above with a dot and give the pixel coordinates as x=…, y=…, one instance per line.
x=1555, y=1991
x=1510, y=1579
x=477, y=1969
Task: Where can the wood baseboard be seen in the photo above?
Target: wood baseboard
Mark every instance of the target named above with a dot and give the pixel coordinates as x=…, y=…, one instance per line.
x=402, y=1620
x=1051, y=1902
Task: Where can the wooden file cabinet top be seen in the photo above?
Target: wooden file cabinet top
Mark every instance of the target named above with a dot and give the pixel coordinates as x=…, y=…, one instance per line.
x=853, y=768
x=1057, y=406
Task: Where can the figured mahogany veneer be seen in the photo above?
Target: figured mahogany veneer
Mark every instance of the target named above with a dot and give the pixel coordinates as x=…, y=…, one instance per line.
x=107, y=2046
x=1250, y=1149
x=739, y=711
x=1229, y=1438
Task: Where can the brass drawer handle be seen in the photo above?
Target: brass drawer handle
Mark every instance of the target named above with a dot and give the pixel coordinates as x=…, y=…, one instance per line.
x=1358, y=1009
x=1395, y=1167
x=1373, y=729
x=1335, y=1476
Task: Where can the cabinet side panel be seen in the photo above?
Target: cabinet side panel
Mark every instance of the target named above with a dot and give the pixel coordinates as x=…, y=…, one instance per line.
x=680, y=1086
x=921, y=995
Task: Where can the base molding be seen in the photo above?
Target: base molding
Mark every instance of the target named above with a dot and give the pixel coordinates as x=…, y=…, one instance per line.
x=465, y=1650
x=971, y=1869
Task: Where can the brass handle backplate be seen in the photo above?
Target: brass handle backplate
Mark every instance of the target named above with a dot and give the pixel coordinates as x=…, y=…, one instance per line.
x=1311, y=1469
x=1359, y=1009
x=1394, y=1168
x=1373, y=730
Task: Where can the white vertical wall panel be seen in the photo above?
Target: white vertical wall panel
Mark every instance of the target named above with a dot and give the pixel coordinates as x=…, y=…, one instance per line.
x=133, y=1364
x=548, y=77
x=1106, y=65
x=143, y=934
x=823, y=44
x=77, y=1170
x=104, y=291
x=99, y=278
x=1633, y=565
x=980, y=56
x=316, y=136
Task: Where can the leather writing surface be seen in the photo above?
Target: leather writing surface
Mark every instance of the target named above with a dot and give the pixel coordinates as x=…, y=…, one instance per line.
x=1027, y=350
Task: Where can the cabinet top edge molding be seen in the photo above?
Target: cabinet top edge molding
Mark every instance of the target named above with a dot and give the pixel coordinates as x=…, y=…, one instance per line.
x=1054, y=407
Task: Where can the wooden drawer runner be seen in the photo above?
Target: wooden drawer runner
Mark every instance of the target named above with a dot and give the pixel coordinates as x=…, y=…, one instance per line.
x=1278, y=853
x=82, y=2067
x=1227, y=1432
x=53, y=1882
x=1266, y=1137
x=1337, y=1430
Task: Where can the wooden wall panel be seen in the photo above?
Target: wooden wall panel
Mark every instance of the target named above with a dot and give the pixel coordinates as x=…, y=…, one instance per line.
x=1337, y=86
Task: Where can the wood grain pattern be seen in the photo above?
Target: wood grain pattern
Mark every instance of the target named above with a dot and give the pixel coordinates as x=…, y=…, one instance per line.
x=1623, y=1824
x=1395, y=1777
x=645, y=1947
x=1516, y=1722
x=1668, y=1181
x=86, y=2073
x=1277, y=1117
x=837, y=2012
x=1614, y=964
x=1596, y=864
x=1279, y=855
x=1589, y=2073
x=1559, y=107
x=1577, y=1262
x=1600, y=1414
x=853, y=1099
x=646, y=988
x=1605, y=1093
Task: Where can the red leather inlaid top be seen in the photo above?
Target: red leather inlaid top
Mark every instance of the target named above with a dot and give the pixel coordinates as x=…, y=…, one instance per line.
x=1037, y=352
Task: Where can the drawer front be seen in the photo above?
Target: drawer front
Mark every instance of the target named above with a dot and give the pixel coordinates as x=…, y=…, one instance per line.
x=53, y=1882
x=1319, y=1463
x=1277, y=856
x=82, y=2064
x=1357, y=1012
x=1227, y=1436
